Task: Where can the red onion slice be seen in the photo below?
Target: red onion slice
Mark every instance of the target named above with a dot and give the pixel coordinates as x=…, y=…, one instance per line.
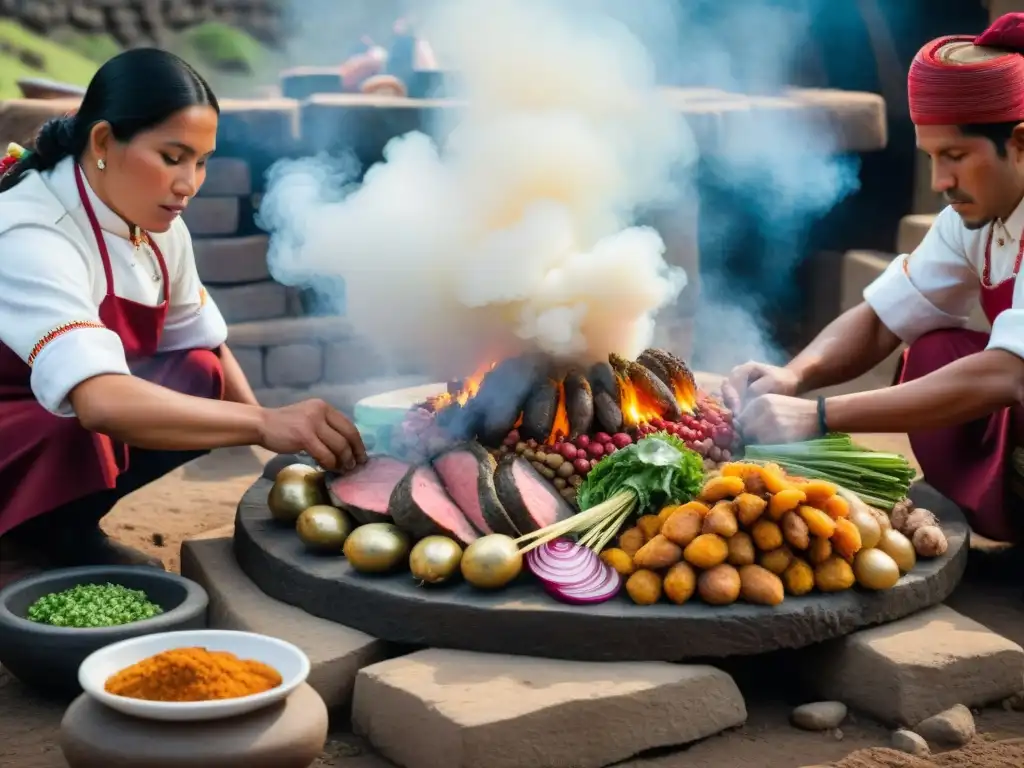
x=604, y=588
x=572, y=573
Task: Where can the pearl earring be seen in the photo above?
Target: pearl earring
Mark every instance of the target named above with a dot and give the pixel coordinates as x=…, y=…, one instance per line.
x=101, y=164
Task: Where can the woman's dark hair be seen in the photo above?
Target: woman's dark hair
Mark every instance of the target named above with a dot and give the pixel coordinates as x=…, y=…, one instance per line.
x=133, y=92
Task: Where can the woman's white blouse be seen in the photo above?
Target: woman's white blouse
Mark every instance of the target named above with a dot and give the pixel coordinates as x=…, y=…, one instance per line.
x=52, y=283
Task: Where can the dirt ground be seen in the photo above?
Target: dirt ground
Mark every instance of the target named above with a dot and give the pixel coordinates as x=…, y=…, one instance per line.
x=202, y=497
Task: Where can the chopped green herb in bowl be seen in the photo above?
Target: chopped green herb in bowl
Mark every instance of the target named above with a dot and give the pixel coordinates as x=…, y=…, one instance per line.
x=92, y=606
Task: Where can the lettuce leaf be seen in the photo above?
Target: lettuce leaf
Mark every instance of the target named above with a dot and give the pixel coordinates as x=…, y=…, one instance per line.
x=659, y=469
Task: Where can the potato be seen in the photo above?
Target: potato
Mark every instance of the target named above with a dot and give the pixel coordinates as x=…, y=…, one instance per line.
x=775, y=479
x=760, y=586
x=748, y=508
x=900, y=512
x=795, y=531
x=818, y=492
x=718, y=488
x=753, y=482
x=682, y=526
x=833, y=575
x=680, y=583
x=819, y=551
x=875, y=570
x=767, y=535
x=619, y=560
x=917, y=519
x=658, y=553
x=776, y=561
x=930, y=541
x=644, y=587
x=719, y=585
x=741, y=549
x=784, y=501
x=870, y=531
x=846, y=541
x=798, y=577
x=836, y=507
x=817, y=521
x=631, y=539
x=706, y=551
x=650, y=525
x=721, y=520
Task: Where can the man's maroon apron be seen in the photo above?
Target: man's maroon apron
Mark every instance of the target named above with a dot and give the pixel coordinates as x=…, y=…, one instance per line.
x=969, y=463
x=47, y=461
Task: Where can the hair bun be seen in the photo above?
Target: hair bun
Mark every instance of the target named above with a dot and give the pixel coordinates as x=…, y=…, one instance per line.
x=56, y=139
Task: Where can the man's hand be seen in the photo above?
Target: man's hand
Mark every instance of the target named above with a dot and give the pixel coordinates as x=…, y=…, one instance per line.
x=752, y=380
x=318, y=429
x=779, y=419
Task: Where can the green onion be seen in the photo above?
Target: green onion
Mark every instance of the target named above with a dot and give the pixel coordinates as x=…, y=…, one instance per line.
x=93, y=605
x=879, y=479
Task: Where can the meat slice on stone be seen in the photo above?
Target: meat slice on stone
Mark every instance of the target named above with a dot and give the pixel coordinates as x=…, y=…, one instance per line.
x=467, y=472
x=421, y=507
x=527, y=496
x=366, y=491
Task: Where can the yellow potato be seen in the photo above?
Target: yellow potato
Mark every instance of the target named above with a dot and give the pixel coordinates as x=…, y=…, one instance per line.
x=798, y=577
x=631, y=539
x=748, y=508
x=846, y=541
x=833, y=575
x=819, y=551
x=619, y=560
x=706, y=551
x=718, y=488
x=760, y=586
x=767, y=535
x=819, y=523
x=741, y=549
x=795, y=531
x=680, y=583
x=785, y=501
x=777, y=560
x=682, y=526
x=644, y=587
x=719, y=585
x=721, y=520
x=650, y=525
x=658, y=553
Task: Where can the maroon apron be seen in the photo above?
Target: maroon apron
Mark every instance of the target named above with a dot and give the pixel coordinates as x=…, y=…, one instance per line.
x=46, y=460
x=969, y=463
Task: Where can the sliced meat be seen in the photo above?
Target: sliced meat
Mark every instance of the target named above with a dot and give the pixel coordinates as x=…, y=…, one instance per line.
x=467, y=473
x=530, y=500
x=366, y=491
x=421, y=507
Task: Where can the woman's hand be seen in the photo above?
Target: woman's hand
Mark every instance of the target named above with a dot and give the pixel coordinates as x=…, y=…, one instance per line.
x=313, y=426
x=779, y=419
x=752, y=380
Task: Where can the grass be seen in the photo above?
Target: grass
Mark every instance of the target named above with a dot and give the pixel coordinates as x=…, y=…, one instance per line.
x=58, y=62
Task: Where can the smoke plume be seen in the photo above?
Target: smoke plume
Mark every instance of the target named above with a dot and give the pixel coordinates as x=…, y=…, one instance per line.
x=515, y=234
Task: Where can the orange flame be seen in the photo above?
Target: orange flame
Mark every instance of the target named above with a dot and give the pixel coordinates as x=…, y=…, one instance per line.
x=470, y=386
x=637, y=408
x=561, y=424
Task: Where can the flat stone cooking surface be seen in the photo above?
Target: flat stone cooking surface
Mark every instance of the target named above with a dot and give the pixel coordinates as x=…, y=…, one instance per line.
x=522, y=619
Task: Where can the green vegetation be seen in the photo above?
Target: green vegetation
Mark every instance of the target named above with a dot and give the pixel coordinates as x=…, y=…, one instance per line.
x=230, y=58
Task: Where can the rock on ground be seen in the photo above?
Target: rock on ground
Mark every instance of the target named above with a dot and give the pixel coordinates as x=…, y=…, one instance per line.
x=907, y=670
x=910, y=742
x=952, y=728
x=819, y=715
x=454, y=709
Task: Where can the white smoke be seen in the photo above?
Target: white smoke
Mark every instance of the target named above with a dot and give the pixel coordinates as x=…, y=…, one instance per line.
x=516, y=234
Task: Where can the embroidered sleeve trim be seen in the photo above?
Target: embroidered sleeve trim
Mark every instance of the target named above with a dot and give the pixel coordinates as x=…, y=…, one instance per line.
x=60, y=330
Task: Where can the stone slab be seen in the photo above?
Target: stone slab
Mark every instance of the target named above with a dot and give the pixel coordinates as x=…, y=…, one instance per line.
x=912, y=230
x=232, y=260
x=342, y=396
x=21, y=119
x=906, y=671
x=452, y=709
x=290, y=330
x=245, y=303
x=294, y=365
x=522, y=620
x=227, y=177
x=212, y=216
x=289, y=735
x=250, y=360
x=336, y=653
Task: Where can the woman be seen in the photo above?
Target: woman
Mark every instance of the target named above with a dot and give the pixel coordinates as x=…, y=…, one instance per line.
x=113, y=363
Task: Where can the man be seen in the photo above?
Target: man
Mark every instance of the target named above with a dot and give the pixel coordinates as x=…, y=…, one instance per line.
x=959, y=393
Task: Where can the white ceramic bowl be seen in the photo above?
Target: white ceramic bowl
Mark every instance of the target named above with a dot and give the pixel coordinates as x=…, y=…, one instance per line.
x=286, y=658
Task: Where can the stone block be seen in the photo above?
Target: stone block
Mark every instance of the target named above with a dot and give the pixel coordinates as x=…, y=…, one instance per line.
x=302, y=82
x=294, y=365
x=257, y=126
x=227, y=177
x=859, y=269
x=912, y=230
x=351, y=361
x=232, y=260
x=908, y=670
x=250, y=360
x=455, y=709
x=336, y=653
x=257, y=301
x=21, y=119
x=290, y=330
x=213, y=216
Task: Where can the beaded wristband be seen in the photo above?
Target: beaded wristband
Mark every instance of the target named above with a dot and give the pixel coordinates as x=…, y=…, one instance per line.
x=822, y=421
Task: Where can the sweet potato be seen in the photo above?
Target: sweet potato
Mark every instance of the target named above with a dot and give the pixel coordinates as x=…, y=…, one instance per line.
x=618, y=560
x=644, y=587
x=818, y=492
x=718, y=488
x=767, y=535
x=776, y=561
x=706, y=551
x=819, y=551
x=784, y=501
x=846, y=541
x=721, y=520
x=753, y=481
x=682, y=526
x=798, y=577
x=680, y=583
x=658, y=553
x=760, y=586
x=834, y=575
x=631, y=539
x=748, y=508
x=741, y=550
x=650, y=525
x=817, y=521
x=719, y=585
x=795, y=531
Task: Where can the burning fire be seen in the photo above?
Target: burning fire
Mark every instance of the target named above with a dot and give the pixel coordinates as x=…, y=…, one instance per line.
x=468, y=388
x=636, y=407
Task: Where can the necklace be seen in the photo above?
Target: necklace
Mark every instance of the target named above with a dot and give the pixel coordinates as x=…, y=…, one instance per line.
x=138, y=238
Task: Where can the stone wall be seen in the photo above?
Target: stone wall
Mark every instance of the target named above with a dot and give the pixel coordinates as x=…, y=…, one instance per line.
x=134, y=22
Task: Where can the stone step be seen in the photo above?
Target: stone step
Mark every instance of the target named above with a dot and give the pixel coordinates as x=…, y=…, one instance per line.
x=336, y=653
x=227, y=177
x=254, y=301
x=342, y=396
x=911, y=669
x=232, y=260
x=455, y=709
x=912, y=230
x=213, y=216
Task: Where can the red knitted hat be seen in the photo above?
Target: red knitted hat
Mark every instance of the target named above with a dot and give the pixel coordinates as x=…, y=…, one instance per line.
x=960, y=80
